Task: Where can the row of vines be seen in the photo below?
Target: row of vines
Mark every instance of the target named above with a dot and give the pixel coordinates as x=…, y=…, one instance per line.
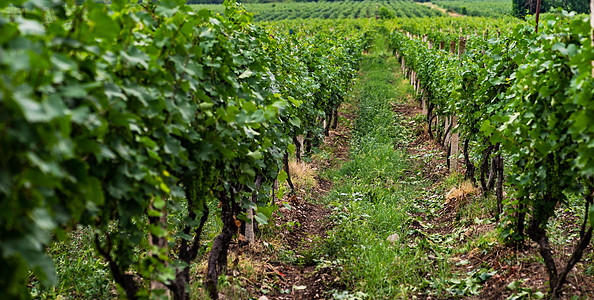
x=138, y=121
x=332, y=10
x=478, y=8
x=523, y=103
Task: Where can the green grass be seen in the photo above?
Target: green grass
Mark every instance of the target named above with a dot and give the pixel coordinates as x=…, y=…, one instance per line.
x=373, y=196
x=81, y=274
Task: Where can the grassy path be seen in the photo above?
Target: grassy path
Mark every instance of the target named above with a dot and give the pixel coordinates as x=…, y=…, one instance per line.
x=376, y=192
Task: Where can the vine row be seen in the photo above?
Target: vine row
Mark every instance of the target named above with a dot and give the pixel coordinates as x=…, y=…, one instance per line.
x=520, y=100
x=140, y=120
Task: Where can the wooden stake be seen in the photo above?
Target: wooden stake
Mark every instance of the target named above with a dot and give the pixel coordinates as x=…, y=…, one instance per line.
x=592, y=25
x=538, y=13
x=461, y=45
x=455, y=144
x=455, y=139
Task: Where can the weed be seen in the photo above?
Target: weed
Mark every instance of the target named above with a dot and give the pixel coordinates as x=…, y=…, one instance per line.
x=81, y=274
x=521, y=292
x=302, y=174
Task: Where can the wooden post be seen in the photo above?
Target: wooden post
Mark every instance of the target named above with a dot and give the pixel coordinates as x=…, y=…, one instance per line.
x=452, y=47
x=592, y=25
x=538, y=13
x=485, y=37
x=455, y=137
x=249, y=227
x=454, y=144
x=461, y=46
x=446, y=136
x=423, y=99
x=441, y=45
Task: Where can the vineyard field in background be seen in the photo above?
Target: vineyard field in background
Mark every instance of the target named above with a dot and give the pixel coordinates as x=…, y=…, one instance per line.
x=478, y=8
x=330, y=10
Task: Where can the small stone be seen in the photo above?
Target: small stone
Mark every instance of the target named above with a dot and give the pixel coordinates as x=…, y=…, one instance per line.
x=393, y=238
x=263, y=298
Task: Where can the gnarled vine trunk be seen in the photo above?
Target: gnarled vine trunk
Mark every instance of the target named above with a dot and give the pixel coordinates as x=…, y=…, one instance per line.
x=126, y=281
x=469, y=165
x=188, y=250
x=335, y=118
x=297, y=144
x=217, y=260
x=328, y=122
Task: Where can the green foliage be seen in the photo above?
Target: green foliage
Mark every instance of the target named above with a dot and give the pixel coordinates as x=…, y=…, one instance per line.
x=517, y=8
x=549, y=139
x=116, y=116
x=467, y=286
x=523, y=8
x=80, y=273
x=385, y=13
